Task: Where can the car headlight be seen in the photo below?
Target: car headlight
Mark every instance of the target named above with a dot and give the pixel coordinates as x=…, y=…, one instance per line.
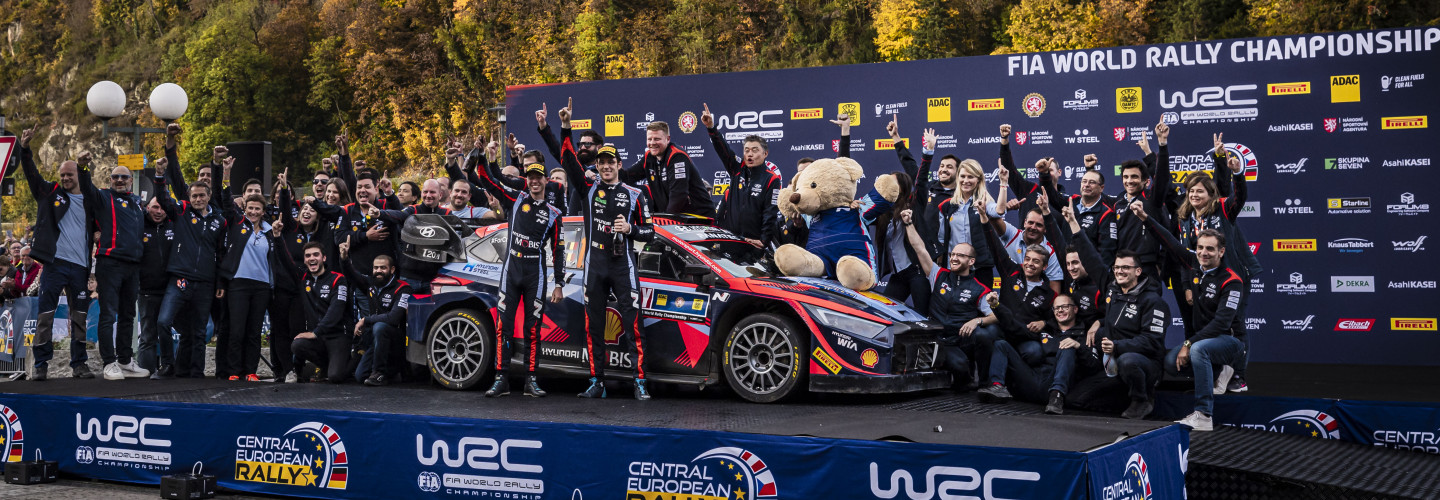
x=848, y=323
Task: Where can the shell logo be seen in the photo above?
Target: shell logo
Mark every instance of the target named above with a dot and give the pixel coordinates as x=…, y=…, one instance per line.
x=869, y=357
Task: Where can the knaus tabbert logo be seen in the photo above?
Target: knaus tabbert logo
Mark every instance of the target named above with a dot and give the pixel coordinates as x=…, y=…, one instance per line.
x=13, y=435
x=718, y=474
x=501, y=461
x=122, y=441
x=952, y=480
x=310, y=454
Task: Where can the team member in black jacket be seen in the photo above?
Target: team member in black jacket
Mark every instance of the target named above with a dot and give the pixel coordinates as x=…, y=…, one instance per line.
x=616, y=215
x=199, y=235
x=533, y=222
x=932, y=193
x=326, y=341
x=418, y=272
x=898, y=268
x=554, y=191
x=62, y=245
x=672, y=183
x=957, y=301
x=1130, y=231
x=749, y=207
x=1088, y=276
x=157, y=240
x=252, y=258
x=1025, y=290
x=1133, y=333
x=117, y=213
x=384, y=328
x=1220, y=336
x=585, y=149
x=287, y=311
x=1060, y=347
x=1092, y=207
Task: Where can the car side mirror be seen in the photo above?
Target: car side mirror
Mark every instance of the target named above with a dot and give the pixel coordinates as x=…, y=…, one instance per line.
x=694, y=269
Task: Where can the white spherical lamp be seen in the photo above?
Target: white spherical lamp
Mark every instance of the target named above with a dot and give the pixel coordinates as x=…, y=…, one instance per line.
x=168, y=101
x=105, y=99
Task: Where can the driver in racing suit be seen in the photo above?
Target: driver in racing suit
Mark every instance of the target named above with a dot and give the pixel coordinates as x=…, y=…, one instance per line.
x=616, y=214
x=533, y=220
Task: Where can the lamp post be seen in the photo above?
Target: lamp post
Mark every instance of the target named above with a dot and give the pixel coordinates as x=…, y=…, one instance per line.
x=107, y=100
x=499, y=111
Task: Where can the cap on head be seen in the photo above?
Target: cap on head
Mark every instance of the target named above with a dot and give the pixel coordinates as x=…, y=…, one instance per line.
x=535, y=168
x=608, y=149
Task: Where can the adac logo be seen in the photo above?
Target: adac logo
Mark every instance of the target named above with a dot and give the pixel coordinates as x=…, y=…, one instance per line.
x=722, y=473
x=1345, y=88
x=310, y=454
x=12, y=435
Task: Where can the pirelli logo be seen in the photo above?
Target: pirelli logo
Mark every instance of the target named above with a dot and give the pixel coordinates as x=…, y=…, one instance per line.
x=807, y=114
x=1413, y=324
x=881, y=144
x=1292, y=88
x=985, y=104
x=1404, y=122
x=825, y=360
x=580, y=124
x=1294, y=245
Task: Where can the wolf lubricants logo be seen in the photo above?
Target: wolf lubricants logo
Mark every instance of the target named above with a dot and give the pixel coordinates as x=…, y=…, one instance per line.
x=309, y=454
x=719, y=474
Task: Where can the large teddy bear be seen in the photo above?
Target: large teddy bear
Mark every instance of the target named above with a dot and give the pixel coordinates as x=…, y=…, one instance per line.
x=839, y=245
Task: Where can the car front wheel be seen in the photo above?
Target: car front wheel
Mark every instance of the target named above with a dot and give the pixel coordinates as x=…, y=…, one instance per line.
x=765, y=358
x=459, y=349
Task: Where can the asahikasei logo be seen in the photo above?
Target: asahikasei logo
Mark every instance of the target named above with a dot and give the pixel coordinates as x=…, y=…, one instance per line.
x=718, y=474
x=310, y=454
x=12, y=435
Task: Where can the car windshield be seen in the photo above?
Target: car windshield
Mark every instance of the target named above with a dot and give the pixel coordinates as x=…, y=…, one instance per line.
x=739, y=258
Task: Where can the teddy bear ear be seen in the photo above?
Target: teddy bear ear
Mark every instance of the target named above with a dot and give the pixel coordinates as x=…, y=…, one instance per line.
x=852, y=168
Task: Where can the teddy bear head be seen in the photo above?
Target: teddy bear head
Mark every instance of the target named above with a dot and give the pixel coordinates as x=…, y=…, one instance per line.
x=825, y=184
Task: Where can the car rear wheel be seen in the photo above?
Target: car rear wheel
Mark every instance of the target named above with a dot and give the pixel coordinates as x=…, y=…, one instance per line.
x=459, y=349
x=765, y=358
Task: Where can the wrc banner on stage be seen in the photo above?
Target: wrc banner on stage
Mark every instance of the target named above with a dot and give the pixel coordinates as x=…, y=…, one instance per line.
x=1333, y=130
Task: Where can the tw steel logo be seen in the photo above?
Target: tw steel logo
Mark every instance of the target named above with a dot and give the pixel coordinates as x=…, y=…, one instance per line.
x=1354, y=325
x=1207, y=97
x=750, y=120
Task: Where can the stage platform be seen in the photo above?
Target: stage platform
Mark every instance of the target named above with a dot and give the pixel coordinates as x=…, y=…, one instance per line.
x=416, y=441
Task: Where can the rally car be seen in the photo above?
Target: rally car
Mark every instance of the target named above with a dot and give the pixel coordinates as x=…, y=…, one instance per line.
x=710, y=307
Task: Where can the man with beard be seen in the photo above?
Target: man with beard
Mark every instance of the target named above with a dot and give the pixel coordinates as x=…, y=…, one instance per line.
x=533, y=223
x=1130, y=231
x=117, y=212
x=326, y=341
x=62, y=244
x=749, y=208
x=957, y=301
x=930, y=193
x=384, y=328
x=585, y=149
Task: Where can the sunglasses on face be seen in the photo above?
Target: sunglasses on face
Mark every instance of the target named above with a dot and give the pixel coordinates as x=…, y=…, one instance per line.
x=587, y=145
x=321, y=182
x=119, y=177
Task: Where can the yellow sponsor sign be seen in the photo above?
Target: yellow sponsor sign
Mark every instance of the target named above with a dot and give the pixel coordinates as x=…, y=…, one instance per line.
x=1413, y=324
x=1345, y=88
x=614, y=125
x=1292, y=88
x=825, y=360
x=852, y=109
x=580, y=124
x=883, y=144
x=937, y=109
x=807, y=113
x=132, y=162
x=1404, y=122
x=985, y=104
x=1294, y=245
x=1129, y=100
x=648, y=495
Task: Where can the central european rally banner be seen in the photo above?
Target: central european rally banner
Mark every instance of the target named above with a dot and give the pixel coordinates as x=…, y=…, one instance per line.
x=334, y=454
x=1333, y=129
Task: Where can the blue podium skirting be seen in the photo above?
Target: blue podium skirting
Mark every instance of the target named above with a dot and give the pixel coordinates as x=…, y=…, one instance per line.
x=340, y=454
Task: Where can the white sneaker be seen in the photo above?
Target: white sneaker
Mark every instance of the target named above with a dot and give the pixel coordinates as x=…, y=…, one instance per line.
x=132, y=370
x=112, y=371
x=290, y=378
x=1197, y=421
x=1223, y=380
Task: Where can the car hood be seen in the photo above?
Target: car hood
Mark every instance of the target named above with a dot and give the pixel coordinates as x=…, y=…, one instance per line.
x=869, y=301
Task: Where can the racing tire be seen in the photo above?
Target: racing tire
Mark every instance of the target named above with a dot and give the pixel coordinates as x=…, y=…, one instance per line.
x=765, y=358
x=459, y=349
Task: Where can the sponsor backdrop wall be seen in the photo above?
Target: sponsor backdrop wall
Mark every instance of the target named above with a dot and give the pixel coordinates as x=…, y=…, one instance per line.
x=1334, y=130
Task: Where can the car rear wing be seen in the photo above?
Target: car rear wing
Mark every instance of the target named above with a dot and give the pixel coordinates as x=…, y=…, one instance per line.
x=435, y=238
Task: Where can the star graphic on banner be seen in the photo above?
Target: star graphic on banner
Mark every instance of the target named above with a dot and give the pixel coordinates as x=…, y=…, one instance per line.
x=1314, y=434
x=319, y=464
x=730, y=465
x=304, y=478
x=738, y=476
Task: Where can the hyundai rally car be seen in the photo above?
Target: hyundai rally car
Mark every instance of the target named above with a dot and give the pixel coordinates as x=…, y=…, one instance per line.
x=710, y=307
